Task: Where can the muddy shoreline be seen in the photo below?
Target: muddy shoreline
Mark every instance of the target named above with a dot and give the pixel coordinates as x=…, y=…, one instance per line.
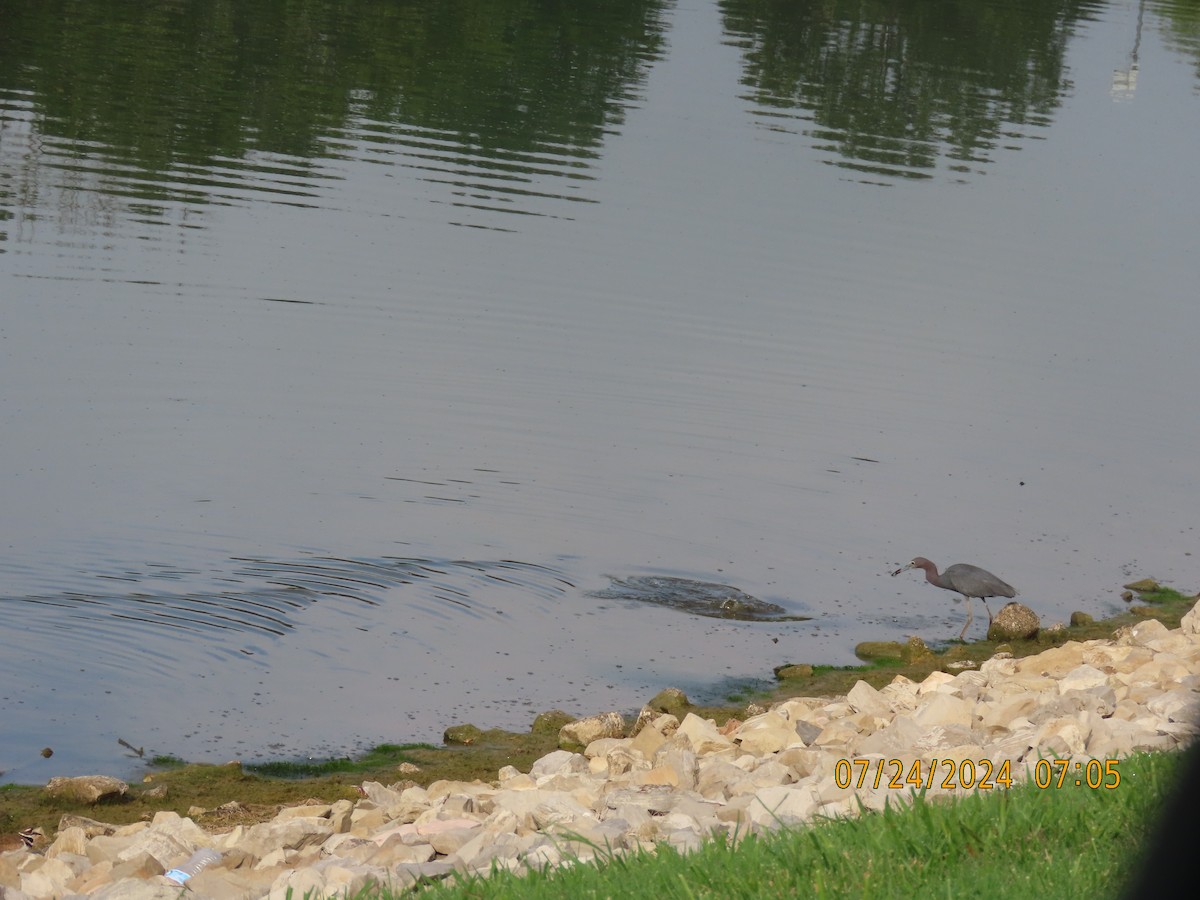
x=676, y=777
x=473, y=752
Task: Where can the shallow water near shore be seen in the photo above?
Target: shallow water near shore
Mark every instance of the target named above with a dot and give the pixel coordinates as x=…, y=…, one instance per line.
x=347, y=357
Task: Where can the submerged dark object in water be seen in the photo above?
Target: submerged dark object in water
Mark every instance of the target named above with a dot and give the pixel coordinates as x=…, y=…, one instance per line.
x=700, y=598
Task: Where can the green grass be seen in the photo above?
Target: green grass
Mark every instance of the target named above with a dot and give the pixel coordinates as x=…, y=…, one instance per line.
x=167, y=761
x=1165, y=595
x=1028, y=842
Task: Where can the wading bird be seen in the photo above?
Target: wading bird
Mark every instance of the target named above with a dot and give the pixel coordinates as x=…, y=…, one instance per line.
x=970, y=581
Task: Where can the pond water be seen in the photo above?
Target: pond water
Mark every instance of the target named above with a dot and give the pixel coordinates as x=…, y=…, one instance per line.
x=349, y=350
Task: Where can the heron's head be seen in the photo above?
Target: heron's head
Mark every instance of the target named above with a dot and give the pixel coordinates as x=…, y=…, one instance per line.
x=919, y=563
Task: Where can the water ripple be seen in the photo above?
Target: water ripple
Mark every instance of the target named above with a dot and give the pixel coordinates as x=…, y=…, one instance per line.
x=274, y=593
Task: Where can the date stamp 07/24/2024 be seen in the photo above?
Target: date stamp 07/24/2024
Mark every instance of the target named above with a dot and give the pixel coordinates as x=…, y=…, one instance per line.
x=894, y=774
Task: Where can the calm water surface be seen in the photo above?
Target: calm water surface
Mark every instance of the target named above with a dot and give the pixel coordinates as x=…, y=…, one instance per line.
x=347, y=348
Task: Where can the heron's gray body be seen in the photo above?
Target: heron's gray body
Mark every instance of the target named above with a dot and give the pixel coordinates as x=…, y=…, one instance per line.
x=970, y=581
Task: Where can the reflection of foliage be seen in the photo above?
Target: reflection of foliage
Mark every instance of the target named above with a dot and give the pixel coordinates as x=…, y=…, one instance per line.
x=193, y=80
x=1181, y=25
x=893, y=85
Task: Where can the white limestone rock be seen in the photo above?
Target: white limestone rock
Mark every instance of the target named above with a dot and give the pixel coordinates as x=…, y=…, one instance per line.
x=581, y=732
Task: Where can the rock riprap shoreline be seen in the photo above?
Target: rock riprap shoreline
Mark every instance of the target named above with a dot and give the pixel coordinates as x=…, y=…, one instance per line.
x=672, y=781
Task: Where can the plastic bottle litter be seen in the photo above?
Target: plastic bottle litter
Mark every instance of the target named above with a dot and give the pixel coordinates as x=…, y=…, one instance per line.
x=197, y=862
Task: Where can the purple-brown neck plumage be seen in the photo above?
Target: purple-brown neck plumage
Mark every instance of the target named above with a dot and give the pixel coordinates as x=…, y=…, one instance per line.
x=931, y=572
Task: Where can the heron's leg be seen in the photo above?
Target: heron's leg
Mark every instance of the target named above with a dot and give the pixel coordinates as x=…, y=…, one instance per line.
x=970, y=618
x=988, y=608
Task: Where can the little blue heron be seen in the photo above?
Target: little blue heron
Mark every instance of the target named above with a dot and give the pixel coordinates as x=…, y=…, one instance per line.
x=970, y=581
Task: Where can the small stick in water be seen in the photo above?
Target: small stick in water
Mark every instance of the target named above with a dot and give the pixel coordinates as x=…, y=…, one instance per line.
x=128, y=746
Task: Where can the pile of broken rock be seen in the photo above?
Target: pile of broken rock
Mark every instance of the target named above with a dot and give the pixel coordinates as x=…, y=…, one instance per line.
x=678, y=782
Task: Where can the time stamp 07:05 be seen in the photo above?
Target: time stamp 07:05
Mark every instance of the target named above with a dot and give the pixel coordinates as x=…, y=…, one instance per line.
x=948, y=774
